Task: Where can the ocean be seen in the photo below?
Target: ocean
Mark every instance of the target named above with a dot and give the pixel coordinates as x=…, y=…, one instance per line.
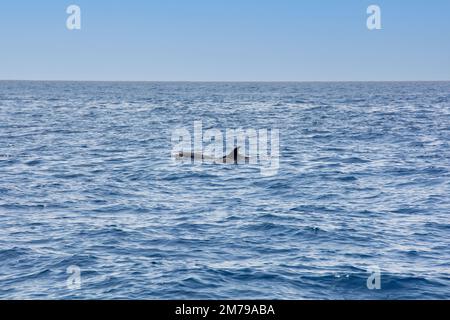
x=92, y=205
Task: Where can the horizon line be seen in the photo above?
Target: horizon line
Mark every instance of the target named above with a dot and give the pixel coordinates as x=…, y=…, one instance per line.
x=221, y=81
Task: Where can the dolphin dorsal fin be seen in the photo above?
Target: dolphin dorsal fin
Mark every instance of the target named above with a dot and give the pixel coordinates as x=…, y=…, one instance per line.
x=233, y=154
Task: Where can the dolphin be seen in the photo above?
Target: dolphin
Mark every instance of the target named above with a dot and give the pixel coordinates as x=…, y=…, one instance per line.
x=192, y=155
x=233, y=157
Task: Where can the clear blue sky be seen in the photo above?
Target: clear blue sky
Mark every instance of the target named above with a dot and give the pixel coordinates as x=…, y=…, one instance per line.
x=207, y=40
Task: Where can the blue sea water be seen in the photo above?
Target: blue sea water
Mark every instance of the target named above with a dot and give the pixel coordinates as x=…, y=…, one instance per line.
x=86, y=179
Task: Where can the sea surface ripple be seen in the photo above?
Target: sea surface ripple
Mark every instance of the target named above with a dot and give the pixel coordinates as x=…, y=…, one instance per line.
x=86, y=179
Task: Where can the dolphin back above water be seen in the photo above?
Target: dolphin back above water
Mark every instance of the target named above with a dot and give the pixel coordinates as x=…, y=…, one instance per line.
x=233, y=157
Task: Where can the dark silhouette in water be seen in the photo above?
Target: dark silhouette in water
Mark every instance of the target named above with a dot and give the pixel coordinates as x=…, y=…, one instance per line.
x=233, y=157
